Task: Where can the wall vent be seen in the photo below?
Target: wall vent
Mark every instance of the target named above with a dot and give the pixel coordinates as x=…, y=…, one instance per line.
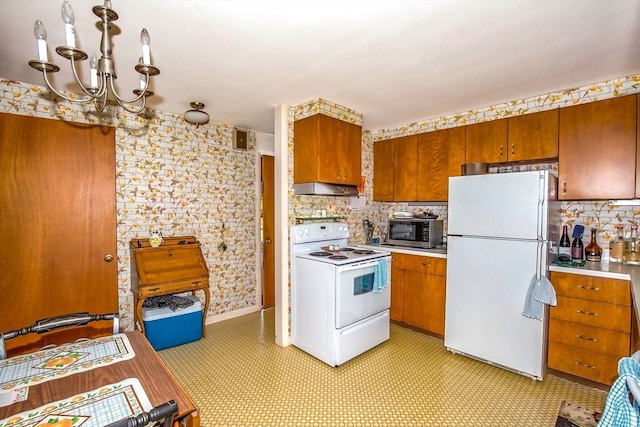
x=240, y=139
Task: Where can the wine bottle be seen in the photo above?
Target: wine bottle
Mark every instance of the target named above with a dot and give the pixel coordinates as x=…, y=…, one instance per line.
x=564, y=245
x=593, y=251
x=616, y=245
x=577, y=247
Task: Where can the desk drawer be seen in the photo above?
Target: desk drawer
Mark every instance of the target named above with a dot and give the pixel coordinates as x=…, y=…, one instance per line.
x=589, y=338
x=172, y=287
x=592, y=288
x=593, y=313
x=593, y=366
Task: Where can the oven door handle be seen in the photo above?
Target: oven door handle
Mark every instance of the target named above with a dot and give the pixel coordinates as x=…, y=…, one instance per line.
x=361, y=265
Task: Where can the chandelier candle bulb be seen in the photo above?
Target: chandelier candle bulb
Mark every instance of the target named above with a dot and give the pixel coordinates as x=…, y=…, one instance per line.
x=146, y=52
x=93, y=63
x=41, y=35
x=143, y=78
x=69, y=18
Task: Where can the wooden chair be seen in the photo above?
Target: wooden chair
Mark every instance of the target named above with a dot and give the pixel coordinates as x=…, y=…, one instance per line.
x=163, y=413
x=56, y=323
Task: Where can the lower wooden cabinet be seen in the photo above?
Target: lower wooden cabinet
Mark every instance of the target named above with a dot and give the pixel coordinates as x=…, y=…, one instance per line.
x=590, y=328
x=418, y=291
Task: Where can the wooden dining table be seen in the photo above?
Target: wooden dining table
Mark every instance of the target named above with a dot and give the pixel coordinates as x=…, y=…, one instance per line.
x=158, y=383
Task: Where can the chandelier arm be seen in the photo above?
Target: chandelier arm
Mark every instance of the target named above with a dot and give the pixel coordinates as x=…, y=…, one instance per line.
x=50, y=86
x=130, y=101
x=132, y=111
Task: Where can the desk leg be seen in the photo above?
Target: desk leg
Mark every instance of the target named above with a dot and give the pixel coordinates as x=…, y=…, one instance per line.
x=137, y=316
x=205, y=310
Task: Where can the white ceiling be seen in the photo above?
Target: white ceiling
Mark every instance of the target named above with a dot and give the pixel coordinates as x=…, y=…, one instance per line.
x=395, y=62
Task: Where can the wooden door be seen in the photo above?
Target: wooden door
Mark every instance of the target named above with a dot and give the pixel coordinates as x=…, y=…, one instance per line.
x=440, y=155
x=405, y=169
x=268, y=233
x=57, y=221
x=383, y=155
x=597, y=150
x=486, y=142
x=533, y=136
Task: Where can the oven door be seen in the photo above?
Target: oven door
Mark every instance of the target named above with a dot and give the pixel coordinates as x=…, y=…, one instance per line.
x=355, y=298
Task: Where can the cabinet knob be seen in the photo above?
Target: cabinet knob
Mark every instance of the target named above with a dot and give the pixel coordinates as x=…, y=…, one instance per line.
x=108, y=257
x=585, y=365
x=588, y=313
x=267, y=240
x=588, y=288
x=513, y=150
x=500, y=150
x=564, y=188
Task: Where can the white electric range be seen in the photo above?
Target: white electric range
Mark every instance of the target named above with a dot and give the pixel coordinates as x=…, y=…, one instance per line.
x=340, y=295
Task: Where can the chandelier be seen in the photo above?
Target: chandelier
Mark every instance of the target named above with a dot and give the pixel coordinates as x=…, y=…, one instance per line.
x=102, y=73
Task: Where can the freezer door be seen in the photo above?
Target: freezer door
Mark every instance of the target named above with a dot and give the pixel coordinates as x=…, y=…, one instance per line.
x=511, y=205
x=487, y=282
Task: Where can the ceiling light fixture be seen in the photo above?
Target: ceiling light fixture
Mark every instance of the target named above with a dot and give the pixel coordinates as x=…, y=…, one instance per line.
x=196, y=116
x=102, y=73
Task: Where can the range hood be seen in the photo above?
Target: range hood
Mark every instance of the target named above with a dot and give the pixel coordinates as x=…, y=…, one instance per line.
x=324, y=189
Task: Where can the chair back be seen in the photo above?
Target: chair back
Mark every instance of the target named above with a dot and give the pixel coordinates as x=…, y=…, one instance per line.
x=163, y=413
x=57, y=323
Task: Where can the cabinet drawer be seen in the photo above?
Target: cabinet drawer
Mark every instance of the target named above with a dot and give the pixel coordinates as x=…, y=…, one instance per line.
x=428, y=265
x=589, y=338
x=171, y=288
x=613, y=291
x=593, y=313
x=593, y=366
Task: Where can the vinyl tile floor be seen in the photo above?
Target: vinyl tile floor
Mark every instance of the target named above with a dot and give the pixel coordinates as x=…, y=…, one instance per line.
x=238, y=376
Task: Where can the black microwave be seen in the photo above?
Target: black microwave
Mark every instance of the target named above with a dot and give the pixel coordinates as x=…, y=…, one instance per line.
x=415, y=232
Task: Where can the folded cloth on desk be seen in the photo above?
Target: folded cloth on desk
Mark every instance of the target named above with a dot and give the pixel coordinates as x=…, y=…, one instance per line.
x=618, y=410
x=540, y=292
x=381, y=275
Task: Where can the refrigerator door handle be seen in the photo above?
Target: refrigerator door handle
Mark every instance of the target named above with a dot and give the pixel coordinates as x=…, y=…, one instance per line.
x=541, y=201
x=539, y=262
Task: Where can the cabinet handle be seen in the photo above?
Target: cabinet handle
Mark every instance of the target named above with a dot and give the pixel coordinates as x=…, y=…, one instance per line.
x=564, y=188
x=513, y=149
x=588, y=313
x=500, y=150
x=586, y=338
x=585, y=365
x=196, y=282
x=588, y=288
x=154, y=289
x=426, y=265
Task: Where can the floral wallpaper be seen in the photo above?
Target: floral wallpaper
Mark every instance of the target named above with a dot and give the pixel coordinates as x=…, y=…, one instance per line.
x=177, y=178
x=591, y=214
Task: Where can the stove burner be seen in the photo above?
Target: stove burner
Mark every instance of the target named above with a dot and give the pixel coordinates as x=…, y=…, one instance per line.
x=338, y=257
x=322, y=253
x=363, y=252
x=347, y=250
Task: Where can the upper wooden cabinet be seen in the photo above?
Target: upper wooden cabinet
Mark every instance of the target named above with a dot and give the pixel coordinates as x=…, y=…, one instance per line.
x=533, y=136
x=327, y=150
x=440, y=155
x=597, y=153
x=383, y=155
x=517, y=139
x=405, y=168
x=486, y=142
x=395, y=167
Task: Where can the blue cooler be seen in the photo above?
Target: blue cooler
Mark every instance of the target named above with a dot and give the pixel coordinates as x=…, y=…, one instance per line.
x=166, y=328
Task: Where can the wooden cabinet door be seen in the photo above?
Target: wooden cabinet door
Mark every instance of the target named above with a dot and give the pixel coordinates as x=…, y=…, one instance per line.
x=405, y=170
x=383, y=155
x=486, y=142
x=533, y=136
x=327, y=150
x=397, y=287
x=424, y=293
x=58, y=222
x=440, y=155
x=637, y=145
x=597, y=151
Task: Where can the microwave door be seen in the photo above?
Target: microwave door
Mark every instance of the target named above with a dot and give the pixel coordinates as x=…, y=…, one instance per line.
x=402, y=231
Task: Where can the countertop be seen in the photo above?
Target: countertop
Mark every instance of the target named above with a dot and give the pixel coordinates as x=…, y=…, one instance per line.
x=439, y=252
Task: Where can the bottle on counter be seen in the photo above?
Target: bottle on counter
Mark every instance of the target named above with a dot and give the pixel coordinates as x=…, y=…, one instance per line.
x=631, y=254
x=577, y=247
x=593, y=251
x=564, y=245
x=616, y=245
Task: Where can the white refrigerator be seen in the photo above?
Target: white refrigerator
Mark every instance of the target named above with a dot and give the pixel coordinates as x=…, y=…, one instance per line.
x=499, y=229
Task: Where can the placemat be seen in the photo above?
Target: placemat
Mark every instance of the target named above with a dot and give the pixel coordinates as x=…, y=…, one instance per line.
x=68, y=359
x=95, y=408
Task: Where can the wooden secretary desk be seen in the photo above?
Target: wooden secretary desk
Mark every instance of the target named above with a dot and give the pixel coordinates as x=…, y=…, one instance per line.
x=177, y=265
